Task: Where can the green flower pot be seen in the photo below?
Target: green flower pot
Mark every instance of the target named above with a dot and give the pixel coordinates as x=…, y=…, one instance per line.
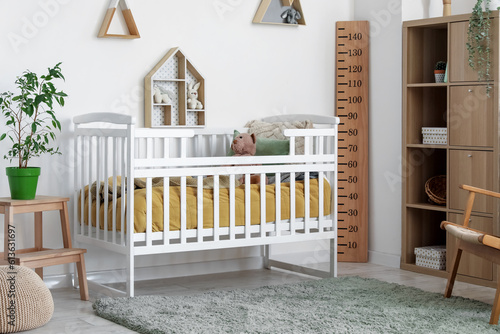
x=23, y=182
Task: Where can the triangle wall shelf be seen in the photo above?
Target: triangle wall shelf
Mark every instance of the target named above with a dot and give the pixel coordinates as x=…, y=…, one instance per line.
x=278, y=12
x=127, y=15
x=172, y=76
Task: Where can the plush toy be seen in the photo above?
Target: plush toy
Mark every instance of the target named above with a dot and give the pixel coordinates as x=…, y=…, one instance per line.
x=291, y=15
x=245, y=144
x=162, y=95
x=192, y=93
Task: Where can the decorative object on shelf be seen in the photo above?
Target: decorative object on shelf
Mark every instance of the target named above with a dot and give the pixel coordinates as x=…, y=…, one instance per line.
x=446, y=7
x=162, y=95
x=291, y=16
x=187, y=102
x=433, y=257
x=435, y=188
x=192, y=94
x=133, y=32
x=478, y=41
x=31, y=124
x=434, y=136
x=283, y=12
x=440, y=71
x=32, y=300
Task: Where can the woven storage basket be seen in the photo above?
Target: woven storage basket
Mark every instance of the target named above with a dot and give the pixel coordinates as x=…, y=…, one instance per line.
x=33, y=304
x=435, y=188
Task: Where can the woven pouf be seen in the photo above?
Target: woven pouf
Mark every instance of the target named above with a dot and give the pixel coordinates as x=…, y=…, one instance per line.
x=25, y=301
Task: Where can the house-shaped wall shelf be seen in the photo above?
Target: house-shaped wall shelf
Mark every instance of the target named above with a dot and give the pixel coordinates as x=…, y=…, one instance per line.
x=133, y=32
x=173, y=73
x=270, y=12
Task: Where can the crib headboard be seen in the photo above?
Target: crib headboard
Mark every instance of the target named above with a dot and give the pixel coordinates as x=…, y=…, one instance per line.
x=316, y=119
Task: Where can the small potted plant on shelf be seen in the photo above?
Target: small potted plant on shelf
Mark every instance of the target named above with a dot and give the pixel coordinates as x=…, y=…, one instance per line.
x=440, y=71
x=31, y=124
x=478, y=39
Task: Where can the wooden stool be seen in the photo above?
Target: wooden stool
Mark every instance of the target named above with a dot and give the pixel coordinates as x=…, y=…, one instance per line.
x=39, y=257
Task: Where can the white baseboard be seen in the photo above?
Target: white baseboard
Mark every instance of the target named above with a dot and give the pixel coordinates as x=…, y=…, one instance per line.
x=384, y=259
x=160, y=272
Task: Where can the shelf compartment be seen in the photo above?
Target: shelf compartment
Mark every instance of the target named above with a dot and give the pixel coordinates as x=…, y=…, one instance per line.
x=426, y=108
x=420, y=165
x=422, y=229
x=425, y=47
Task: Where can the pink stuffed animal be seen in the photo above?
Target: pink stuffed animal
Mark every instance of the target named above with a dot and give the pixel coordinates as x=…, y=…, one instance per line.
x=244, y=144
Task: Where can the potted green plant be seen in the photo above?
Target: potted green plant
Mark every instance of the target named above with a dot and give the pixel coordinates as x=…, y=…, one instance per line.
x=478, y=40
x=440, y=71
x=31, y=124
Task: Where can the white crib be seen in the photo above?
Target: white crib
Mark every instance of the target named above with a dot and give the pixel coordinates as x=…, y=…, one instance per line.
x=109, y=147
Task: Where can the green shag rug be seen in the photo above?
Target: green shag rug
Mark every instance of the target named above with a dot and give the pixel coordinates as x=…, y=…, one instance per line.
x=334, y=305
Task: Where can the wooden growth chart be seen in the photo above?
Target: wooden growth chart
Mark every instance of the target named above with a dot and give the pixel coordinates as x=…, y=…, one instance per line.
x=352, y=51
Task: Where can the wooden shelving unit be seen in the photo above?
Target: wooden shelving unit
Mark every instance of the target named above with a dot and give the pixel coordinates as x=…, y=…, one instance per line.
x=127, y=15
x=174, y=72
x=269, y=12
x=471, y=155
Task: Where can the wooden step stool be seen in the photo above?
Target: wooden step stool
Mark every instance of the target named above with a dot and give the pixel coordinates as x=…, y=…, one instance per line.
x=39, y=257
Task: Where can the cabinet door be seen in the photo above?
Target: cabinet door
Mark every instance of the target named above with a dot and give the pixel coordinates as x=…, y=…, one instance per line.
x=471, y=116
x=459, y=69
x=474, y=168
x=470, y=265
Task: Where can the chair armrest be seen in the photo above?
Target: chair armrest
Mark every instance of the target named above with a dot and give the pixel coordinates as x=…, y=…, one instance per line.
x=480, y=191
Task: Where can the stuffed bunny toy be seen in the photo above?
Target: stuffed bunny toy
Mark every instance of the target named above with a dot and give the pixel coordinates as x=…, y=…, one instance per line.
x=192, y=94
x=161, y=95
x=291, y=15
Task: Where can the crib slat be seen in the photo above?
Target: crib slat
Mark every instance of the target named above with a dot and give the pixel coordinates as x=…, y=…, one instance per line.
x=307, y=143
x=278, y=204
x=232, y=206
x=262, y=205
x=307, y=203
x=89, y=226
x=166, y=147
x=106, y=187
x=115, y=180
x=248, y=221
x=292, y=203
x=183, y=210
x=123, y=185
x=183, y=147
x=149, y=148
x=98, y=188
x=321, y=201
x=216, y=208
x=166, y=210
x=199, y=207
x=82, y=191
x=149, y=212
x=292, y=145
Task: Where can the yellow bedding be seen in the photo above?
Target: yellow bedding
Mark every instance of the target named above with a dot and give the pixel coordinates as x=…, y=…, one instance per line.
x=208, y=221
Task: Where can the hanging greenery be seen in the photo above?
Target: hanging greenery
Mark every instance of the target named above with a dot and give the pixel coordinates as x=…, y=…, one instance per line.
x=478, y=41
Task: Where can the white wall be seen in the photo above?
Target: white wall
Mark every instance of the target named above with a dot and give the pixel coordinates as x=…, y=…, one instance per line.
x=420, y=9
x=251, y=71
x=384, y=242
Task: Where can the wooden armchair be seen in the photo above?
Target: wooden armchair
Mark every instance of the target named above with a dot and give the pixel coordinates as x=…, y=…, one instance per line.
x=475, y=242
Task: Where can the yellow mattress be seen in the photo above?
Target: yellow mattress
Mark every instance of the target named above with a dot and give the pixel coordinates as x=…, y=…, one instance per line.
x=208, y=215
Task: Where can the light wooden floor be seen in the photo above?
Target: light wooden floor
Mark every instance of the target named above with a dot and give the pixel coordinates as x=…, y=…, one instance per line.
x=74, y=316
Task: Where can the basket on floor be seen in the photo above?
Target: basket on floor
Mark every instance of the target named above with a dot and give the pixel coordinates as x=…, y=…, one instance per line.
x=435, y=188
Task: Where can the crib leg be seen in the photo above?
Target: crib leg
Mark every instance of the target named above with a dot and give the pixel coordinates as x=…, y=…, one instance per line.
x=267, y=250
x=130, y=275
x=333, y=257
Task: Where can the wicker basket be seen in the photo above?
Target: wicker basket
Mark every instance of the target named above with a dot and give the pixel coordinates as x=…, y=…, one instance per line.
x=435, y=188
